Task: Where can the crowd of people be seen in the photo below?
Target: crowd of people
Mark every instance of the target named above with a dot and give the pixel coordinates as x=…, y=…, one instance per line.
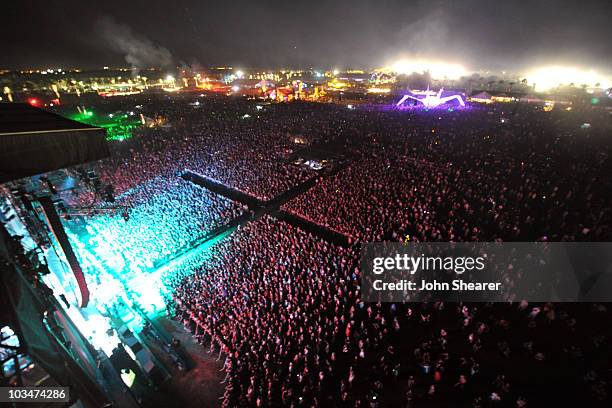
x=225, y=142
x=283, y=307
x=482, y=175
x=158, y=219
x=276, y=300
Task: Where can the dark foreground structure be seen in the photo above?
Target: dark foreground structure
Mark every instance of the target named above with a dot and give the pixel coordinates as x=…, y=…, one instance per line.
x=35, y=141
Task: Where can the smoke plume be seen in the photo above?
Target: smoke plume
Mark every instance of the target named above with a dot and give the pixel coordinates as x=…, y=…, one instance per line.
x=139, y=51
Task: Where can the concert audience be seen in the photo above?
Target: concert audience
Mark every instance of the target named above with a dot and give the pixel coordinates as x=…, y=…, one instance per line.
x=283, y=307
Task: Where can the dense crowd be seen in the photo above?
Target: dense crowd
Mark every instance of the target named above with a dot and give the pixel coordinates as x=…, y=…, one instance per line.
x=477, y=176
x=161, y=218
x=284, y=309
x=283, y=306
x=277, y=301
x=245, y=153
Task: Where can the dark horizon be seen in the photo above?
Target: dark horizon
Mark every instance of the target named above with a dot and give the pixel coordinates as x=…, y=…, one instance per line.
x=274, y=34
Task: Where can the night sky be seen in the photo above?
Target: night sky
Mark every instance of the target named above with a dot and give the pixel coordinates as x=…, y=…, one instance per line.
x=495, y=34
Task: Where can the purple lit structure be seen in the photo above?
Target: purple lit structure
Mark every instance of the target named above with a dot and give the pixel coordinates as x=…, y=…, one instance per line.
x=432, y=100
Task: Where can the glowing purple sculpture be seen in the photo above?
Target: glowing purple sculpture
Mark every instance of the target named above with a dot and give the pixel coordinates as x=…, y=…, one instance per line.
x=432, y=101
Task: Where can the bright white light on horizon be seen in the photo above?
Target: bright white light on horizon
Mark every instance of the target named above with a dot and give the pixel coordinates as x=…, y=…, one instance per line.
x=239, y=74
x=437, y=69
x=550, y=77
x=169, y=78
